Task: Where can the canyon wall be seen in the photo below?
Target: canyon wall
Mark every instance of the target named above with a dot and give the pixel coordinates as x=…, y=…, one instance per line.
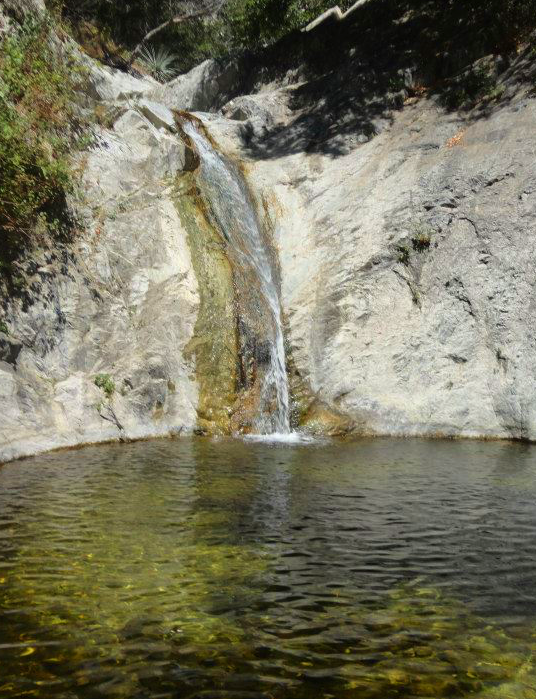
x=405, y=238
x=407, y=262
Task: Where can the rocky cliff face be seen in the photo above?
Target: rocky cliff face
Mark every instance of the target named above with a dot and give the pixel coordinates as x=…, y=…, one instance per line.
x=407, y=266
x=121, y=303
x=406, y=253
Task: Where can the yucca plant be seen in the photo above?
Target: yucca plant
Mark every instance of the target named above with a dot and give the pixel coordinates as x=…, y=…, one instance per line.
x=160, y=63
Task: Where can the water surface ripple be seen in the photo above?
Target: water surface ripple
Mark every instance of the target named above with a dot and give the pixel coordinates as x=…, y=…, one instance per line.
x=222, y=569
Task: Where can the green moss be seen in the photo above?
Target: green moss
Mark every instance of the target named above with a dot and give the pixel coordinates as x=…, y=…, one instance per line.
x=307, y=411
x=215, y=344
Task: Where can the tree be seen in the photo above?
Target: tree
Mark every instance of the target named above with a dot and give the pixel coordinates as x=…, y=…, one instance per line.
x=133, y=23
x=180, y=13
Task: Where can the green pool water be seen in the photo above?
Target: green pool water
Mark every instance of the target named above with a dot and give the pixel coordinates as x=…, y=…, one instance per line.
x=195, y=568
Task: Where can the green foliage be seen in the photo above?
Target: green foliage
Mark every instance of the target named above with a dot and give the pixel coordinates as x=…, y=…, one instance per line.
x=403, y=254
x=476, y=83
x=38, y=131
x=160, y=63
x=106, y=383
x=195, y=41
x=3, y=328
x=250, y=24
x=242, y=24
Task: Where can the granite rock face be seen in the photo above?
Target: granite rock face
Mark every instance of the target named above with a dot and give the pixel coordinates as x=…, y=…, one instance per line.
x=206, y=87
x=407, y=260
x=121, y=304
x=406, y=254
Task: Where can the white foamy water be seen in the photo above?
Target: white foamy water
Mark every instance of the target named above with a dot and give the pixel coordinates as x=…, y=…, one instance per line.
x=223, y=187
x=284, y=438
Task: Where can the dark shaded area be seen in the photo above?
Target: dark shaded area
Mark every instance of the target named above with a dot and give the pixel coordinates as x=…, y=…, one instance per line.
x=355, y=73
x=10, y=348
x=59, y=228
x=110, y=30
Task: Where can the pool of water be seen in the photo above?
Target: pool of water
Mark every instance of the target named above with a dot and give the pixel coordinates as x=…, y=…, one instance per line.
x=246, y=570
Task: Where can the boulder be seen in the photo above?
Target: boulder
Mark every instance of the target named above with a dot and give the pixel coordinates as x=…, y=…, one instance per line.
x=205, y=88
x=103, y=84
x=157, y=114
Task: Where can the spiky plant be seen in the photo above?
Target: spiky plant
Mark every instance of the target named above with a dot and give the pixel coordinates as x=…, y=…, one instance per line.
x=160, y=63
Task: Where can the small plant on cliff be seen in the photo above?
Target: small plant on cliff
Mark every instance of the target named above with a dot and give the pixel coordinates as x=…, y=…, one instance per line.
x=160, y=63
x=421, y=237
x=421, y=242
x=471, y=86
x=106, y=384
x=403, y=254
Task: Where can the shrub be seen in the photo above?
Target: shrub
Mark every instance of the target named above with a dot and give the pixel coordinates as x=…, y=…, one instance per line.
x=474, y=84
x=38, y=131
x=106, y=383
x=421, y=240
x=160, y=63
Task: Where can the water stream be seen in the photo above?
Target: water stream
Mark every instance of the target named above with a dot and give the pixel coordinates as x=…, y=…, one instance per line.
x=233, y=212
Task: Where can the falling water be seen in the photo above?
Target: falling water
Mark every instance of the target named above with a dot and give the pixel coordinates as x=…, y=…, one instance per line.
x=224, y=190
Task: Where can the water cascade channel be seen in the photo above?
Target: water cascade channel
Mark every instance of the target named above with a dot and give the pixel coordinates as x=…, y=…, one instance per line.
x=262, y=351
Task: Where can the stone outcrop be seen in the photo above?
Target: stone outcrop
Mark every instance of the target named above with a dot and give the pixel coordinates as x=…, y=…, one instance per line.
x=208, y=86
x=104, y=84
x=407, y=258
x=121, y=303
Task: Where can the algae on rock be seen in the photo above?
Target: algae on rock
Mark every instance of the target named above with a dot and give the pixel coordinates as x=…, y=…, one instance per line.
x=214, y=344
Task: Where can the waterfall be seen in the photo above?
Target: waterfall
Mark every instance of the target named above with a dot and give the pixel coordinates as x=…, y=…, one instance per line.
x=233, y=212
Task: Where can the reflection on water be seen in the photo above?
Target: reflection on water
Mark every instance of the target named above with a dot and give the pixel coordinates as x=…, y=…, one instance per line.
x=192, y=568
